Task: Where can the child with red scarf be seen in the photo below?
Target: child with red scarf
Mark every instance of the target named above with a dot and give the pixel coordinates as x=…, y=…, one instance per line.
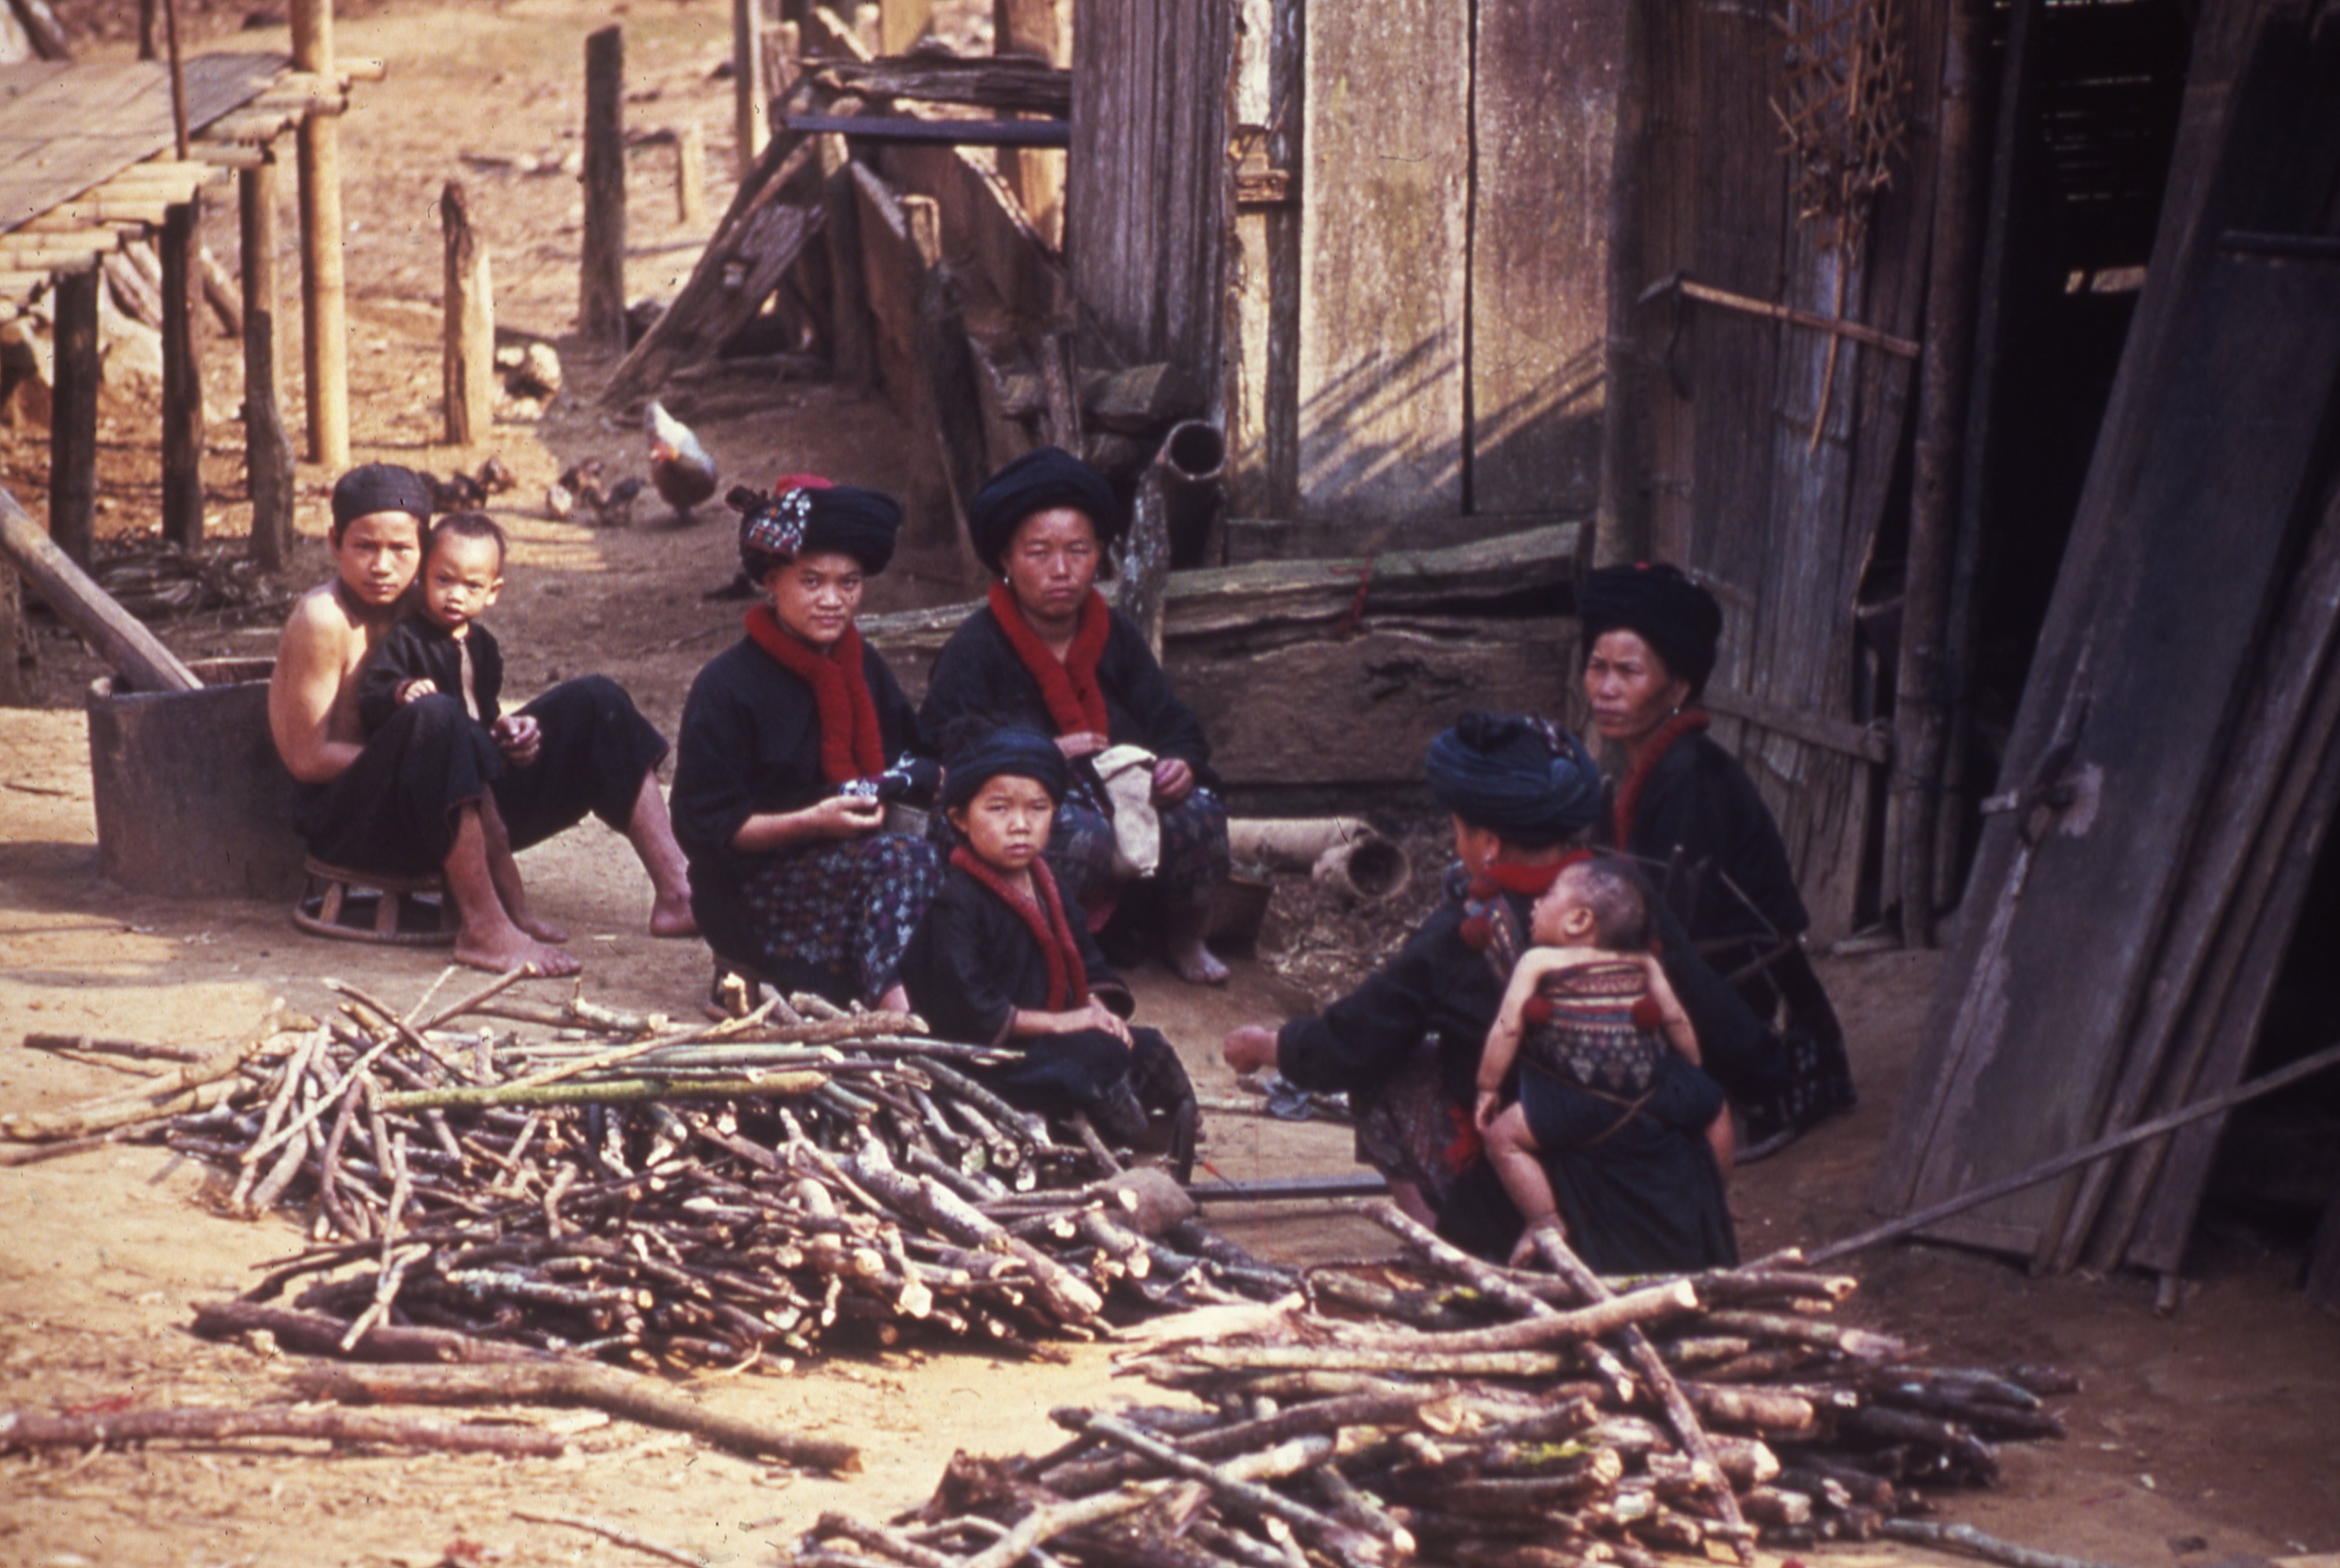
x=785, y=737
x=1004, y=959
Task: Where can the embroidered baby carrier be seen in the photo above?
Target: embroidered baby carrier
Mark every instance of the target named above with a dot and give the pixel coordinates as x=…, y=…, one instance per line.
x=1582, y=1029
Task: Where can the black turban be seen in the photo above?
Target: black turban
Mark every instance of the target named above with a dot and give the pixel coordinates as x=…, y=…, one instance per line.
x=1679, y=619
x=379, y=487
x=1040, y=480
x=805, y=519
x=978, y=759
x=1526, y=781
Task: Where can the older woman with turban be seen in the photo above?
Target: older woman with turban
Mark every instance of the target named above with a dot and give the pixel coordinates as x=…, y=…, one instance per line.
x=1405, y=1045
x=791, y=740
x=1045, y=652
x=1650, y=636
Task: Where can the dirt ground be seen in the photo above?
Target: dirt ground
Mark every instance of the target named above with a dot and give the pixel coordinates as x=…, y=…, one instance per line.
x=2200, y=1439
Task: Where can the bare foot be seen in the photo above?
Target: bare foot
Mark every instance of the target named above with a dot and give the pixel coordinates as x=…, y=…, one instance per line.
x=501, y=953
x=1197, y=964
x=671, y=916
x=542, y=931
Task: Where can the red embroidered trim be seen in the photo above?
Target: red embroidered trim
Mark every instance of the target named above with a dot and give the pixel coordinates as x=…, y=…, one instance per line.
x=852, y=746
x=1069, y=977
x=1628, y=796
x=1069, y=687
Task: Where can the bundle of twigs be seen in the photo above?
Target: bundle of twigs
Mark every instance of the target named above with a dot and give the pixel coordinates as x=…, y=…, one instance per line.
x=625, y=1188
x=1469, y=1414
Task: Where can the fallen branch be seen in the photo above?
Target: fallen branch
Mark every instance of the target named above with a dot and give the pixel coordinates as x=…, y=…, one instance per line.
x=1966, y=1538
x=611, y=1533
x=30, y=1429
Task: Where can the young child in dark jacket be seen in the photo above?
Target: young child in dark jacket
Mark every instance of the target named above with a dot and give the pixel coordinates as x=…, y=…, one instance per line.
x=441, y=648
x=1004, y=958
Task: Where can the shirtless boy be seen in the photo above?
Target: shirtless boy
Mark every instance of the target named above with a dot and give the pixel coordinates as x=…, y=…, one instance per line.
x=408, y=799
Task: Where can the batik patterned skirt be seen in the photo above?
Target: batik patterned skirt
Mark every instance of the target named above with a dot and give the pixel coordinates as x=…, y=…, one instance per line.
x=1194, y=852
x=845, y=907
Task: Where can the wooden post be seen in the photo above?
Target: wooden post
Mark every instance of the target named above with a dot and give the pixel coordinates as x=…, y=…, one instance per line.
x=11, y=638
x=902, y=23
x=267, y=450
x=146, y=47
x=471, y=327
x=601, y=301
x=178, y=78
x=324, y=321
x=690, y=174
x=183, y=380
x=1037, y=28
x=1921, y=709
x=73, y=418
x=752, y=103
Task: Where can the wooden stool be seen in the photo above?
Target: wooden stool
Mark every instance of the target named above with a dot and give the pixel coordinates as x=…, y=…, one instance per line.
x=375, y=906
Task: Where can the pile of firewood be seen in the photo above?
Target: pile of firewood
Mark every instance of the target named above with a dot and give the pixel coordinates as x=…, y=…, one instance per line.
x=615, y=1186
x=1472, y=1414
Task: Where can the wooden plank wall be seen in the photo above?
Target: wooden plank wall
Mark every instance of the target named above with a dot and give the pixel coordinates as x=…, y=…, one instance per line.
x=1544, y=131
x=1144, y=230
x=1385, y=216
x=1729, y=482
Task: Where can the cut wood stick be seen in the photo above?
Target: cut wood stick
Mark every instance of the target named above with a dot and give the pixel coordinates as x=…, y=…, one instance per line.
x=1045, y=1523
x=317, y=1333
x=138, y=1050
x=136, y=654
x=1689, y=1429
x=1606, y=1315
x=607, y=1092
x=29, y=1429
x=574, y=1383
x=623, y=1537
x=485, y=993
x=1966, y=1538
x=1344, y=1542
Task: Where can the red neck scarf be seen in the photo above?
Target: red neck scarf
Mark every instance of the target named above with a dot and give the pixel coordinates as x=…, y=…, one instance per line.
x=1069, y=977
x=1069, y=686
x=1690, y=721
x=851, y=744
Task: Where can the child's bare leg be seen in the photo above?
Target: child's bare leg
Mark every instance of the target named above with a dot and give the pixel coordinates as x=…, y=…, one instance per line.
x=503, y=871
x=487, y=939
x=1408, y=1198
x=651, y=832
x=1723, y=1140
x=1511, y=1150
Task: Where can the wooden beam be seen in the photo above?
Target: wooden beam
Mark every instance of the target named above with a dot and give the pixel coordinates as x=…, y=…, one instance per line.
x=943, y=133
x=267, y=450
x=601, y=293
x=117, y=638
x=324, y=318
x=851, y=340
x=40, y=24
x=73, y=419
x=183, y=381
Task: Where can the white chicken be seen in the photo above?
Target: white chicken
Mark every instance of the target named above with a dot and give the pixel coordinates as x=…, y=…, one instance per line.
x=680, y=471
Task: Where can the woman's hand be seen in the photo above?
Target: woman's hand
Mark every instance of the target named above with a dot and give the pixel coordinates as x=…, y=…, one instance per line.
x=1081, y=743
x=1101, y=1016
x=1173, y=780
x=1249, y=1047
x=842, y=817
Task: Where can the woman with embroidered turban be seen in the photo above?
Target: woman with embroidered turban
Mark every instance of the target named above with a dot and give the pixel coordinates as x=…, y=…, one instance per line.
x=1405, y=1045
x=1650, y=636
x=1047, y=653
x=793, y=741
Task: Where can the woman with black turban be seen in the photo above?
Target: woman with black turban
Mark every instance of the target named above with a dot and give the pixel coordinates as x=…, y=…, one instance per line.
x=1650, y=644
x=793, y=741
x=1047, y=653
x=1405, y=1045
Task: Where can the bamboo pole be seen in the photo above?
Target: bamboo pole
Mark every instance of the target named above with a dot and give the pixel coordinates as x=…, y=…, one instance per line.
x=1922, y=698
x=470, y=360
x=73, y=418
x=267, y=449
x=182, y=378
x=601, y=294
x=325, y=320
